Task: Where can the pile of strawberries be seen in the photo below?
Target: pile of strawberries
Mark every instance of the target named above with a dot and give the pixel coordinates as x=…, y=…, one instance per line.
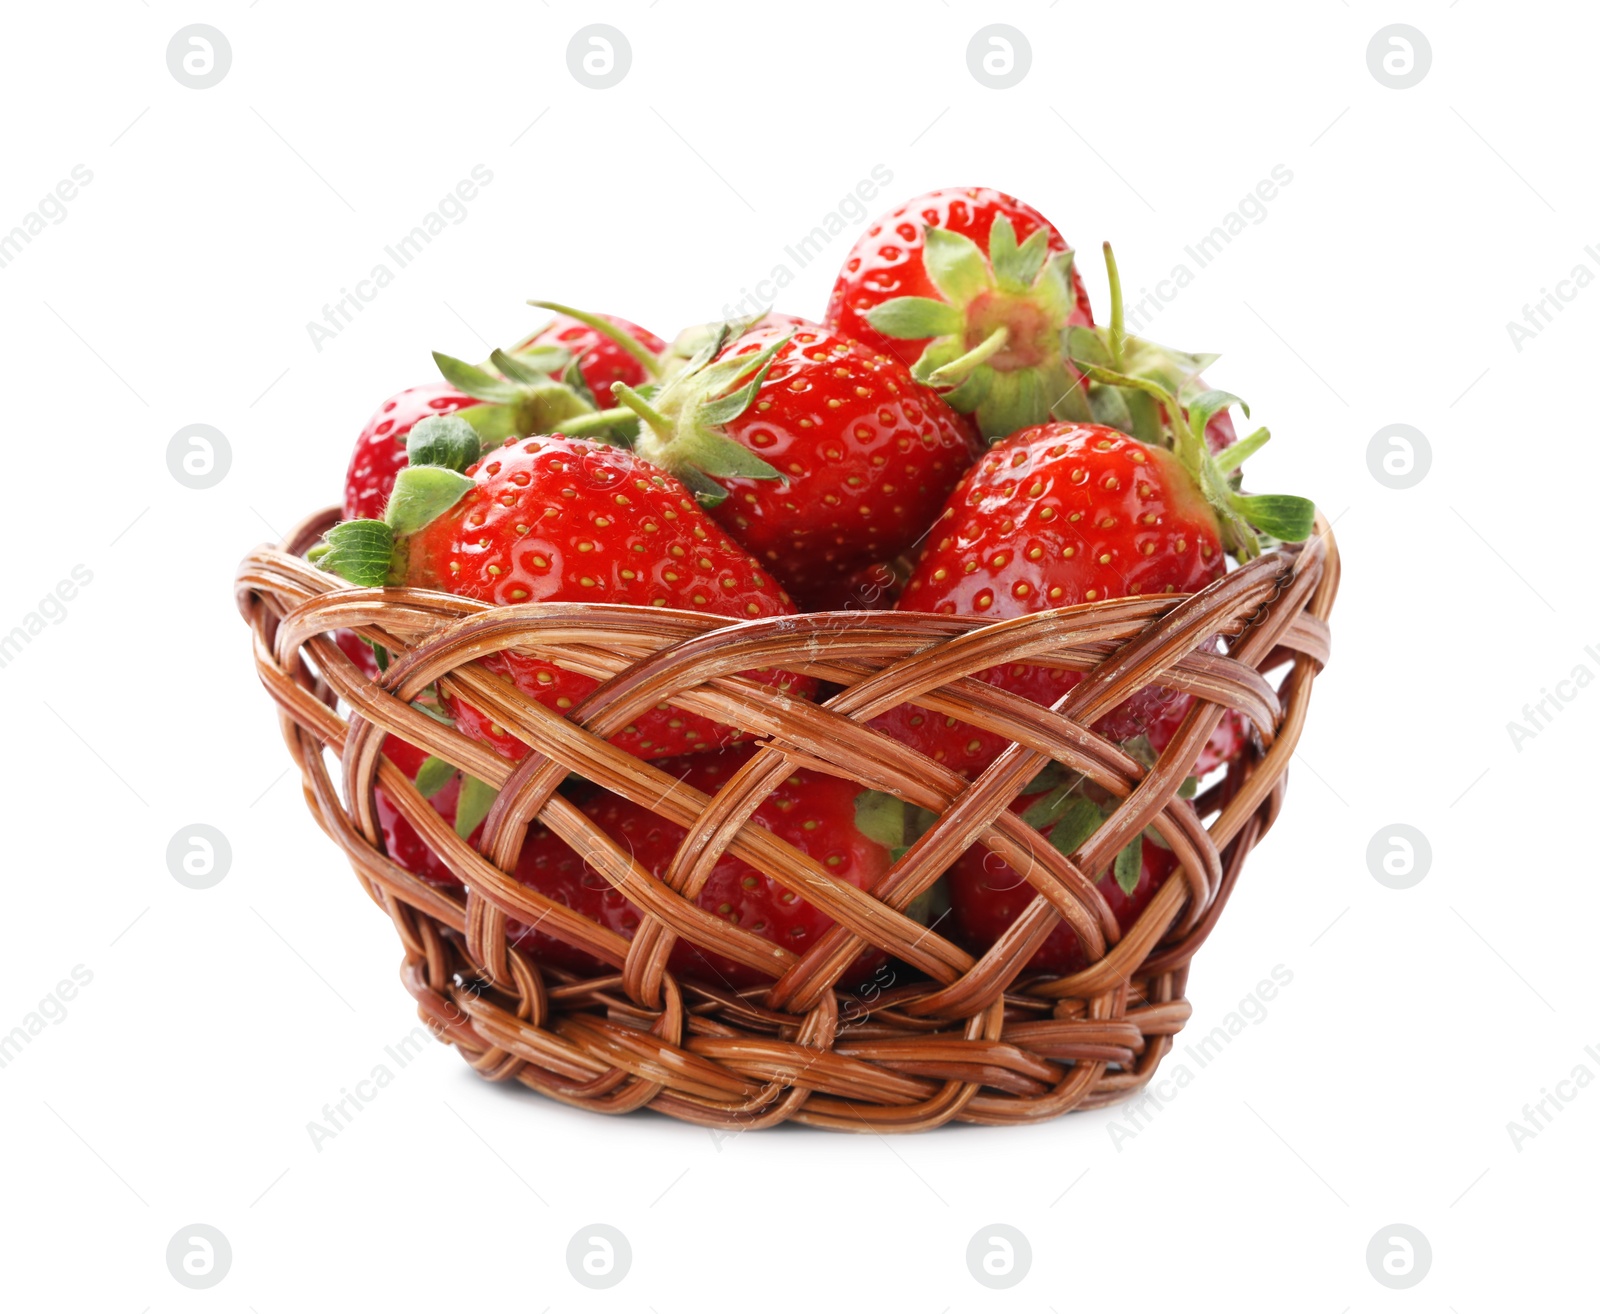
x=957, y=436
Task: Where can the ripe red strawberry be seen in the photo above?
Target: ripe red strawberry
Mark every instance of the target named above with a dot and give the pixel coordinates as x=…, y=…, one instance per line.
x=358, y=651
x=463, y=802
x=889, y=259
x=872, y=588
x=546, y=382
x=555, y=519
x=1227, y=741
x=817, y=454
x=976, y=291
x=987, y=894
x=1063, y=514
x=443, y=787
x=380, y=452
x=814, y=813
x=607, y=349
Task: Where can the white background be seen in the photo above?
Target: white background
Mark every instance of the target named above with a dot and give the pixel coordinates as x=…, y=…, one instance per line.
x=1377, y=290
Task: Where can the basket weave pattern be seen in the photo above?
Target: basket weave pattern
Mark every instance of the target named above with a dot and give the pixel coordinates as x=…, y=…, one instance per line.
x=974, y=1039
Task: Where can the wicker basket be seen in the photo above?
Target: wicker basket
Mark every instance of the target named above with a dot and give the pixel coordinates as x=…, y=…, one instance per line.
x=956, y=1037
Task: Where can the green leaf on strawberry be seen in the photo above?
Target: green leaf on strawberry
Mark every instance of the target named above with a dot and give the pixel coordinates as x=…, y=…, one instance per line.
x=433, y=775
x=527, y=400
x=682, y=428
x=1126, y=867
x=1078, y=819
x=359, y=551
x=443, y=440
x=473, y=805
x=881, y=817
x=421, y=494
x=890, y=821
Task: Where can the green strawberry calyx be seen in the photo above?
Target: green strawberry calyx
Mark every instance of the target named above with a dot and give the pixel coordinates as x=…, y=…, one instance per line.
x=683, y=424
x=1072, y=819
x=364, y=552
x=692, y=340
x=897, y=825
x=1240, y=515
x=997, y=350
x=889, y=821
x=1110, y=346
x=473, y=801
x=526, y=397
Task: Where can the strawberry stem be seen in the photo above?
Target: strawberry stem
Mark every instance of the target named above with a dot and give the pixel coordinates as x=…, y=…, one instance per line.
x=581, y=426
x=956, y=372
x=1118, y=334
x=640, y=407
x=1231, y=458
x=684, y=424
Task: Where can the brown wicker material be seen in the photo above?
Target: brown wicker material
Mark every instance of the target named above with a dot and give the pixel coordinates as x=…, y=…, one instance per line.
x=954, y=1037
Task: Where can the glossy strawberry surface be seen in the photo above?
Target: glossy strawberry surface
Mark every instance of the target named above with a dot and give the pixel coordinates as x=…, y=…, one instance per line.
x=554, y=519
x=1057, y=515
x=866, y=457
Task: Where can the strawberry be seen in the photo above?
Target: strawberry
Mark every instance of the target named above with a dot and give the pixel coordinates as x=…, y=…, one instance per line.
x=980, y=292
x=987, y=894
x=1062, y=514
x=815, y=813
x=380, y=452
x=1227, y=741
x=607, y=349
x=820, y=456
x=461, y=800
x=890, y=259
x=872, y=588
x=523, y=398
x=975, y=290
x=554, y=519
